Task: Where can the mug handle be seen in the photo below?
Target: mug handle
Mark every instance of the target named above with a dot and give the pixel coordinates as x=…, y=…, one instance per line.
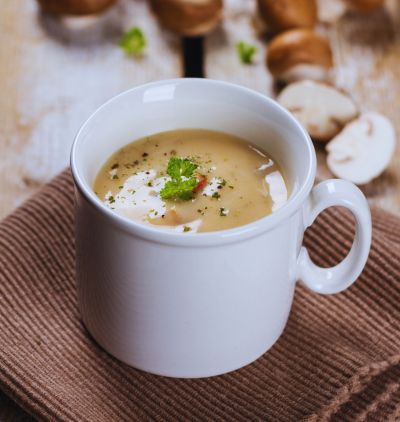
x=330, y=193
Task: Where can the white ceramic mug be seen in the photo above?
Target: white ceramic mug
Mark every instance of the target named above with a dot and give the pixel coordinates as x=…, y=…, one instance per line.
x=201, y=304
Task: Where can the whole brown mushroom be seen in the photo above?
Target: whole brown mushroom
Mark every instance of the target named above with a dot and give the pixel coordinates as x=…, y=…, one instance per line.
x=75, y=7
x=365, y=5
x=188, y=17
x=299, y=54
x=280, y=15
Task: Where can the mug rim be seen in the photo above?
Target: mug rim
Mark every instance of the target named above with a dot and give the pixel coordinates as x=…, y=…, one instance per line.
x=213, y=238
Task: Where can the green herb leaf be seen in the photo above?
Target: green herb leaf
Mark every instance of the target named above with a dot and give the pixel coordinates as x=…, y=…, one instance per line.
x=183, y=182
x=181, y=189
x=187, y=229
x=178, y=167
x=246, y=52
x=133, y=41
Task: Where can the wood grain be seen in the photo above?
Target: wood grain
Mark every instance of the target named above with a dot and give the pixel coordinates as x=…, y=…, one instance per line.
x=54, y=73
x=367, y=62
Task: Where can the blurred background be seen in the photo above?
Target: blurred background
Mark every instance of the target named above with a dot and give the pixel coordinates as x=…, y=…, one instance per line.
x=56, y=69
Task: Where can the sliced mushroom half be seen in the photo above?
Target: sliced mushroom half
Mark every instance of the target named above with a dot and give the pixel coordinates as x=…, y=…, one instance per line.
x=363, y=149
x=322, y=109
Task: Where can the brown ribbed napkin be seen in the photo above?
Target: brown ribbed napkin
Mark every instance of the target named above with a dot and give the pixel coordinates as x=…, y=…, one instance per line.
x=338, y=359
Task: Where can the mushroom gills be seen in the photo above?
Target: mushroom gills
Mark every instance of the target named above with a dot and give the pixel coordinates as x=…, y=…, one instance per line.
x=363, y=149
x=322, y=109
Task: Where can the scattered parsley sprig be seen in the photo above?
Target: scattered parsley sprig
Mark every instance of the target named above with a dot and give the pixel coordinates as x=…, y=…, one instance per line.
x=133, y=42
x=246, y=52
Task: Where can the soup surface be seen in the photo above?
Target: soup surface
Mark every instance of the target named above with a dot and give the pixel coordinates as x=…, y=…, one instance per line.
x=191, y=180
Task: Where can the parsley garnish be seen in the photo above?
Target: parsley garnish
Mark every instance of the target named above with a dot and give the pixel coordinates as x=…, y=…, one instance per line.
x=178, y=167
x=182, y=189
x=216, y=195
x=111, y=199
x=186, y=229
x=183, y=182
x=133, y=41
x=246, y=52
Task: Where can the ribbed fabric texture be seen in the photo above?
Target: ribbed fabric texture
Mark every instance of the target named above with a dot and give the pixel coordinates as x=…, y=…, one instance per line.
x=338, y=359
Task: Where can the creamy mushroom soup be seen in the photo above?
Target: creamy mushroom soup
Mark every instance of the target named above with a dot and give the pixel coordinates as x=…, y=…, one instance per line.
x=192, y=180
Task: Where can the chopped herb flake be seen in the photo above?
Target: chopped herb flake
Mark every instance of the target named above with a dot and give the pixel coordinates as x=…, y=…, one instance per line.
x=245, y=52
x=187, y=229
x=133, y=41
x=111, y=199
x=216, y=195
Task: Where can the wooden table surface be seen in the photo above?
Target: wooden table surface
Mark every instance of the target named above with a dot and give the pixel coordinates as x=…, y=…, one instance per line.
x=54, y=73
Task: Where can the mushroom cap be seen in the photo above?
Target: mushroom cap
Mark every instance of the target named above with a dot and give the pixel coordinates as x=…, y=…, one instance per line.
x=322, y=109
x=365, y=5
x=298, y=46
x=188, y=17
x=286, y=14
x=75, y=7
x=363, y=149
